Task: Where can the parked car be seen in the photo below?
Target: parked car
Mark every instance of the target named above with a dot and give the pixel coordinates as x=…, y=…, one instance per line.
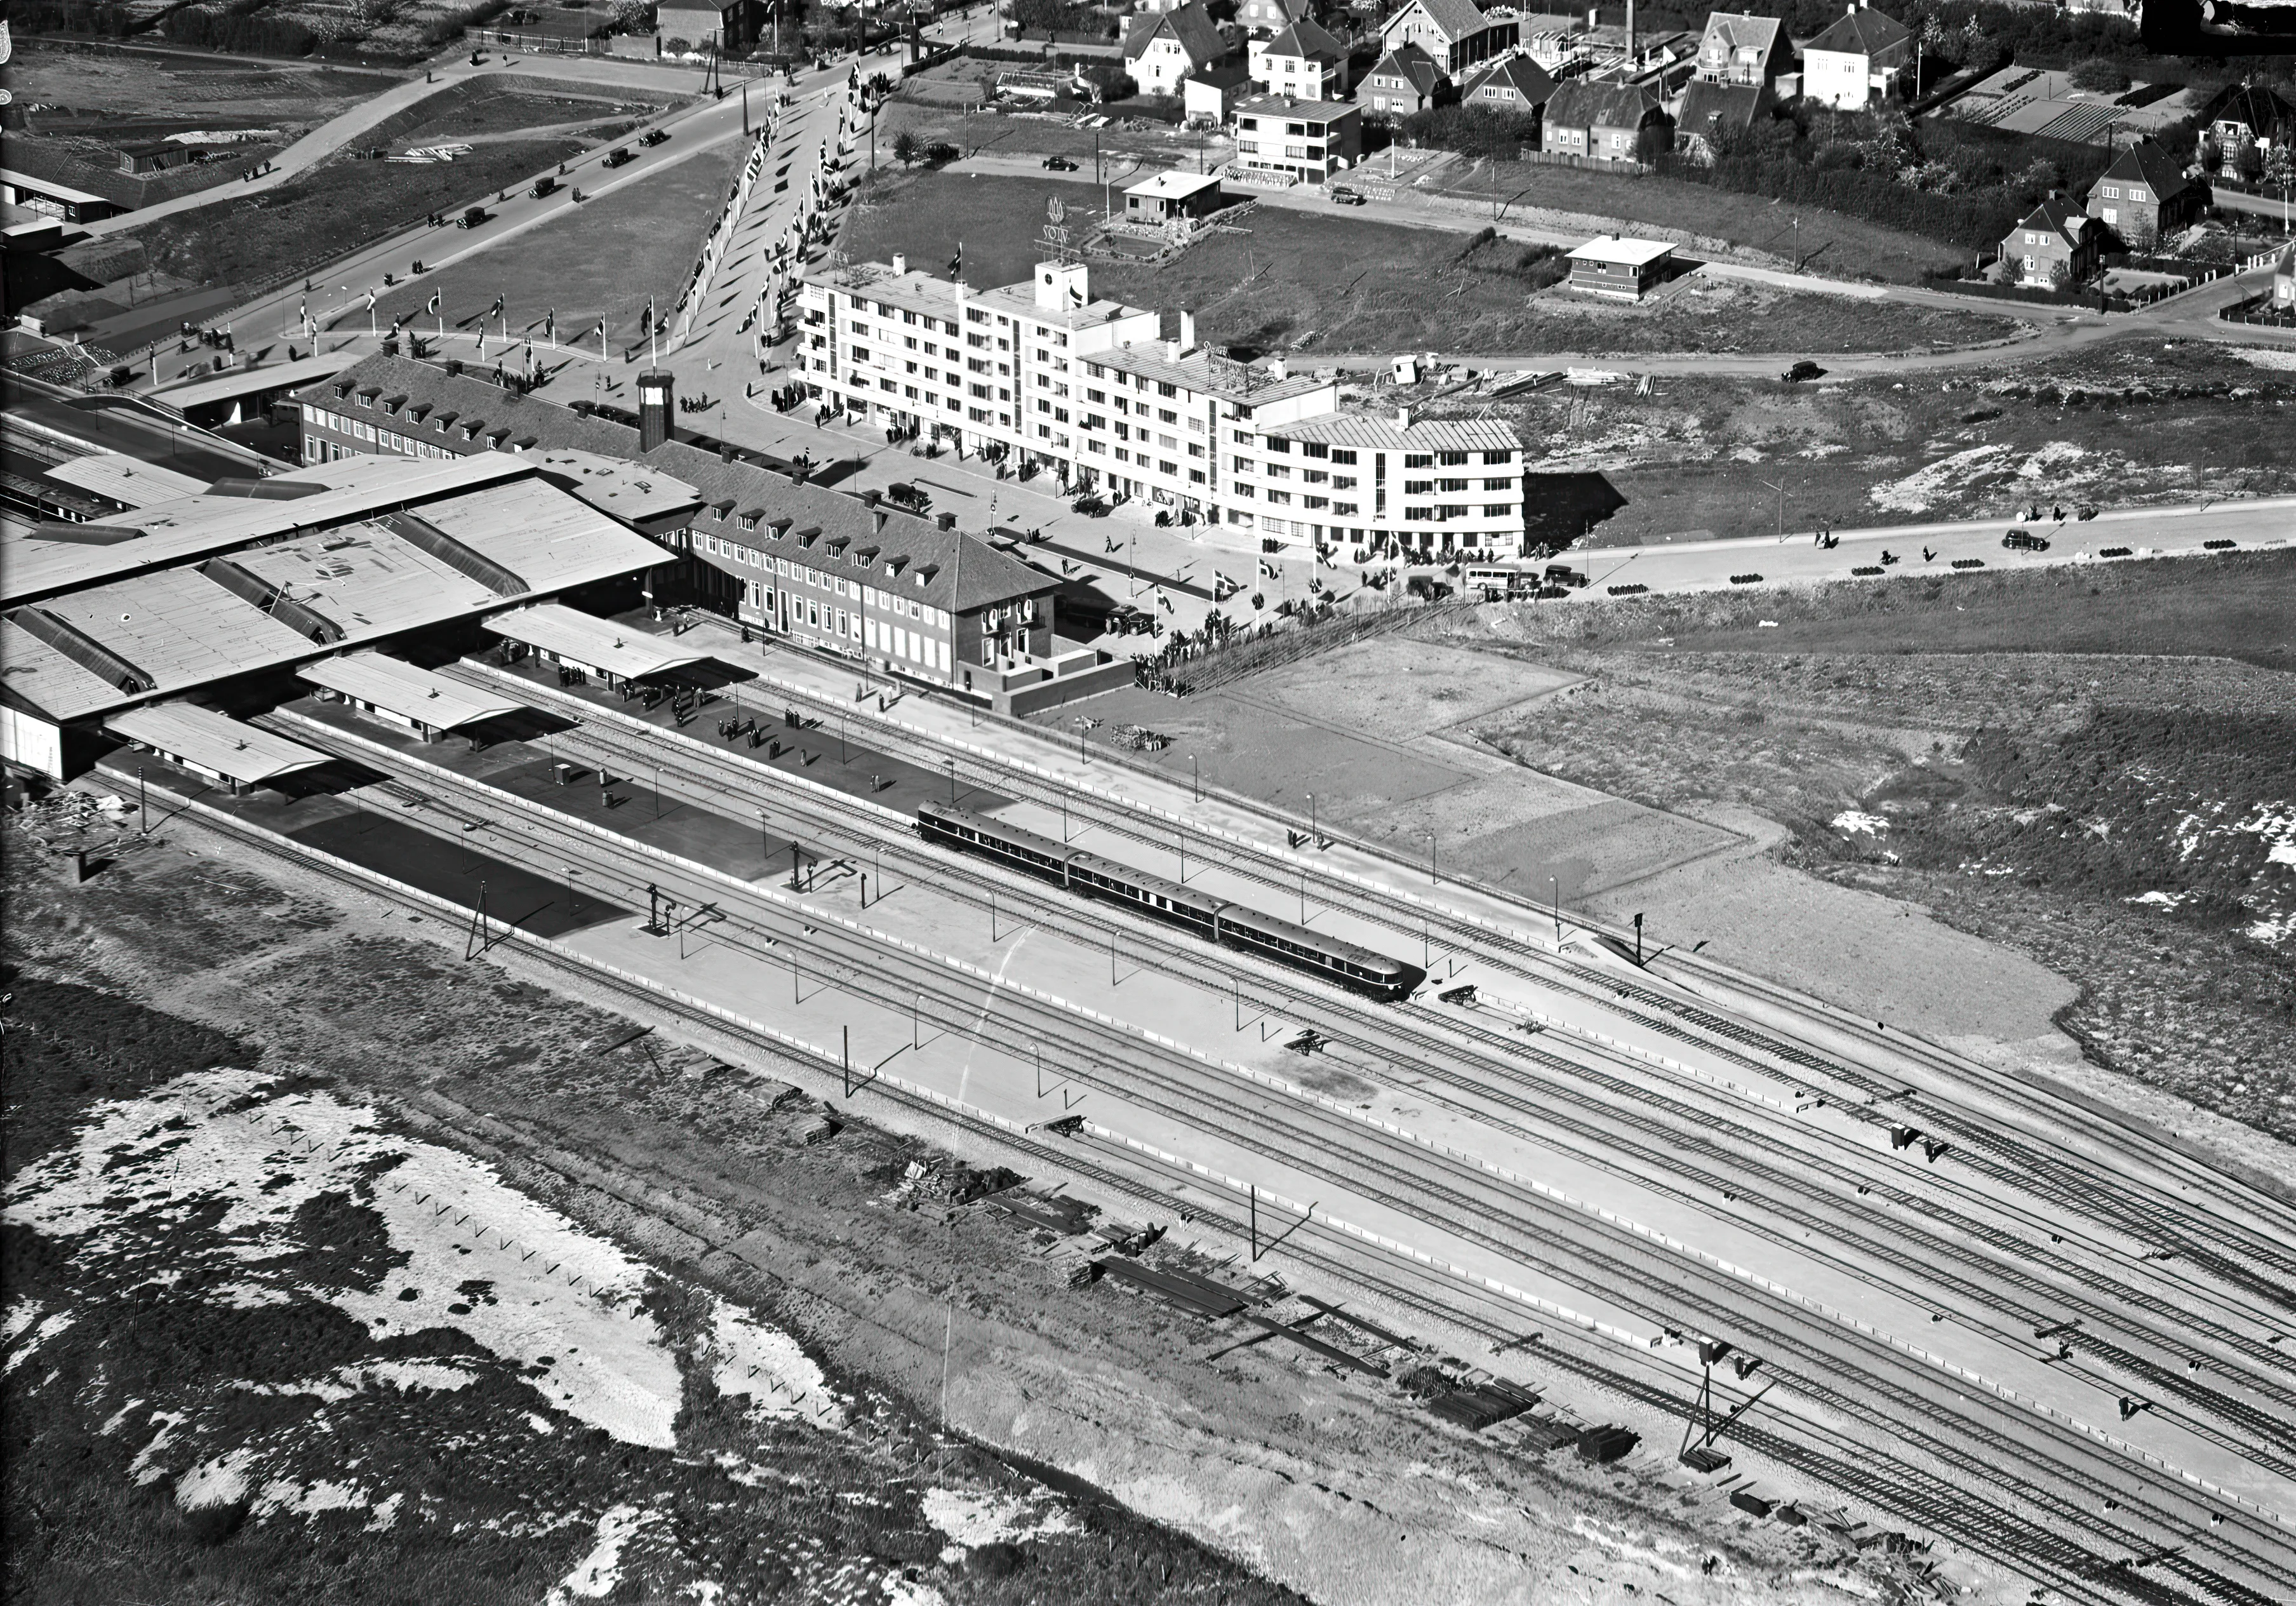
x=2025, y=540
x=1345, y=197
x=1562, y=574
x=652, y=137
x=908, y=496
x=1060, y=164
x=1802, y=371
x=618, y=156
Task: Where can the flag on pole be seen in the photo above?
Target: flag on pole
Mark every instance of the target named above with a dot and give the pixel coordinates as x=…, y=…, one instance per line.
x=550, y=325
x=956, y=263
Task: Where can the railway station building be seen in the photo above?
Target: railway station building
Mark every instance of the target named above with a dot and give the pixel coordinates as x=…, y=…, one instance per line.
x=838, y=573
x=1091, y=390
x=112, y=630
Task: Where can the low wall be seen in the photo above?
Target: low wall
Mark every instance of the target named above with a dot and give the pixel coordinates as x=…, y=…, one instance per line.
x=1024, y=700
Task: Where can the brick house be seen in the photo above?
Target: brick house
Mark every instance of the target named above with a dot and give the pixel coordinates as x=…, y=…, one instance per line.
x=1604, y=121
x=1713, y=113
x=1456, y=34
x=1303, y=62
x=2145, y=194
x=1406, y=80
x=1858, y=60
x=2055, y=236
x=1512, y=84
x=1163, y=51
x=1739, y=49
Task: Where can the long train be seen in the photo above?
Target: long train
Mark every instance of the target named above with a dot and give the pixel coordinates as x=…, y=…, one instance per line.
x=1215, y=919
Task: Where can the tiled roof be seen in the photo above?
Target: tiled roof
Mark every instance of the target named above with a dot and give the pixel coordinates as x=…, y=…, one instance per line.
x=1713, y=108
x=2250, y=104
x=1381, y=433
x=1525, y=77
x=1305, y=38
x=1412, y=64
x=1455, y=19
x=1190, y=27
x=1735, y=31
x=2148, y=163
x=1863, y=32
x=2068, y=223
x=1581, y=104
x=429, y=390
x=830, y=531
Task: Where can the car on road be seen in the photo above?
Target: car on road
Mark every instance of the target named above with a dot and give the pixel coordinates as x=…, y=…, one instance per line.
x=652, y=137
x=1342, y=196
x=2025, y=540
x=1802, y=371
x=1562, y=574
x=617, y=157
x=542, y=187
x=1060, y=164
x=471, y=218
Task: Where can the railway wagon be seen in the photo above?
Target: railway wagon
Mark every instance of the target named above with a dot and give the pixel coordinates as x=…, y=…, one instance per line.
x=1215, y=919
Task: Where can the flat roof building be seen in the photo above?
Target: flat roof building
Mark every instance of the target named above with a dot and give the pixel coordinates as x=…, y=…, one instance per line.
x=1608, y=266
x=1173, y=194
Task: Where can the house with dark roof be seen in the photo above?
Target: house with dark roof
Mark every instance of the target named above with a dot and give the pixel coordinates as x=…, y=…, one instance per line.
x=1858, y=60
x=1740, y=49
x=1405, y=79
x=2056, y=245
x=1513, y=84
x=1712, y=113
x=1164, y=51
x=1303, y=62
x=2145, y=194
x=1456, y=33
x=2241, y=112
x=1261, y=17
x=1605, y=121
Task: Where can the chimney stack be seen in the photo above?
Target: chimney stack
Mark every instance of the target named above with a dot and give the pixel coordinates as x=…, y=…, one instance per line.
x=1277, y=368
x=946, y=521
x=1402, y=418
x=1187, y=331
x=655, y=399
x=900, y=263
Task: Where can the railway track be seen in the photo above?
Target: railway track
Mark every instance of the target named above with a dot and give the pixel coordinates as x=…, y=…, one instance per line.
x=718, y=773
x=1876, y=1390
x=2262, y=1263
x=1902, y=1488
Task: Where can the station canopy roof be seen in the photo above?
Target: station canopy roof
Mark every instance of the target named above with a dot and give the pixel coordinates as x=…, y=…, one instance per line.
x=254, y=381
x=129, y=481
x=600, y=644
x=407, y=690
x=214, y=741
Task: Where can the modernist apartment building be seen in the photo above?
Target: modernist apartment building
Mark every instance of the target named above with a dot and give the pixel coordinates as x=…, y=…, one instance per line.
x=1310, y=140
x=1091, y=391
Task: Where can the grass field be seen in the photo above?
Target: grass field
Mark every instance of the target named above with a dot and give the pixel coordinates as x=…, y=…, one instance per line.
x=92, y=78
x=2117, y=425
x=639, y=241
x=2075, y=764
x=1299, y=280
x=334, y=208
x=1828, y=242
x=502, y=105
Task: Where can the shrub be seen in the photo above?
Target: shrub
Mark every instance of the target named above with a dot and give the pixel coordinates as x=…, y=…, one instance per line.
x=2100, y=74
x=196, y=26
x=70, y=16
x=1473, y=131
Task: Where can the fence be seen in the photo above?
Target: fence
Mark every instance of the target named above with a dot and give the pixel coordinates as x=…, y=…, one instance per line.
x=1224, y=664
x=1597, y=164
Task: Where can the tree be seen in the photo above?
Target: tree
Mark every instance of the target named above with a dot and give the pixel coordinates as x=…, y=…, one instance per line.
x=908, y=147
x=2211, y=155
x=2061, y=275
x=2280, y=174
x=2248, y=161
x=677, y=47
x=2098, y=74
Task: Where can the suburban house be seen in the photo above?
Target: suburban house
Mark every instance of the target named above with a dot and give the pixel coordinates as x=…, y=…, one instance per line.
x=1623, y=269
x=1304, y=60
x=1739, y=49
x=2144, y=194
x=730, y=28
x=1261, y=17
x=1513, y=84
x=1604, y=121
x=2242, y=112
x=1404, y=81
x=1162, y=51
x=1712, y=113
x=1308, y=139
x=1456, y=33
x=1856, y=61
x=2055, y=245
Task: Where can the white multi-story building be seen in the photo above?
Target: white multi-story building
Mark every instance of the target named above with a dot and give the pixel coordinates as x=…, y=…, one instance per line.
x=1092, y=391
